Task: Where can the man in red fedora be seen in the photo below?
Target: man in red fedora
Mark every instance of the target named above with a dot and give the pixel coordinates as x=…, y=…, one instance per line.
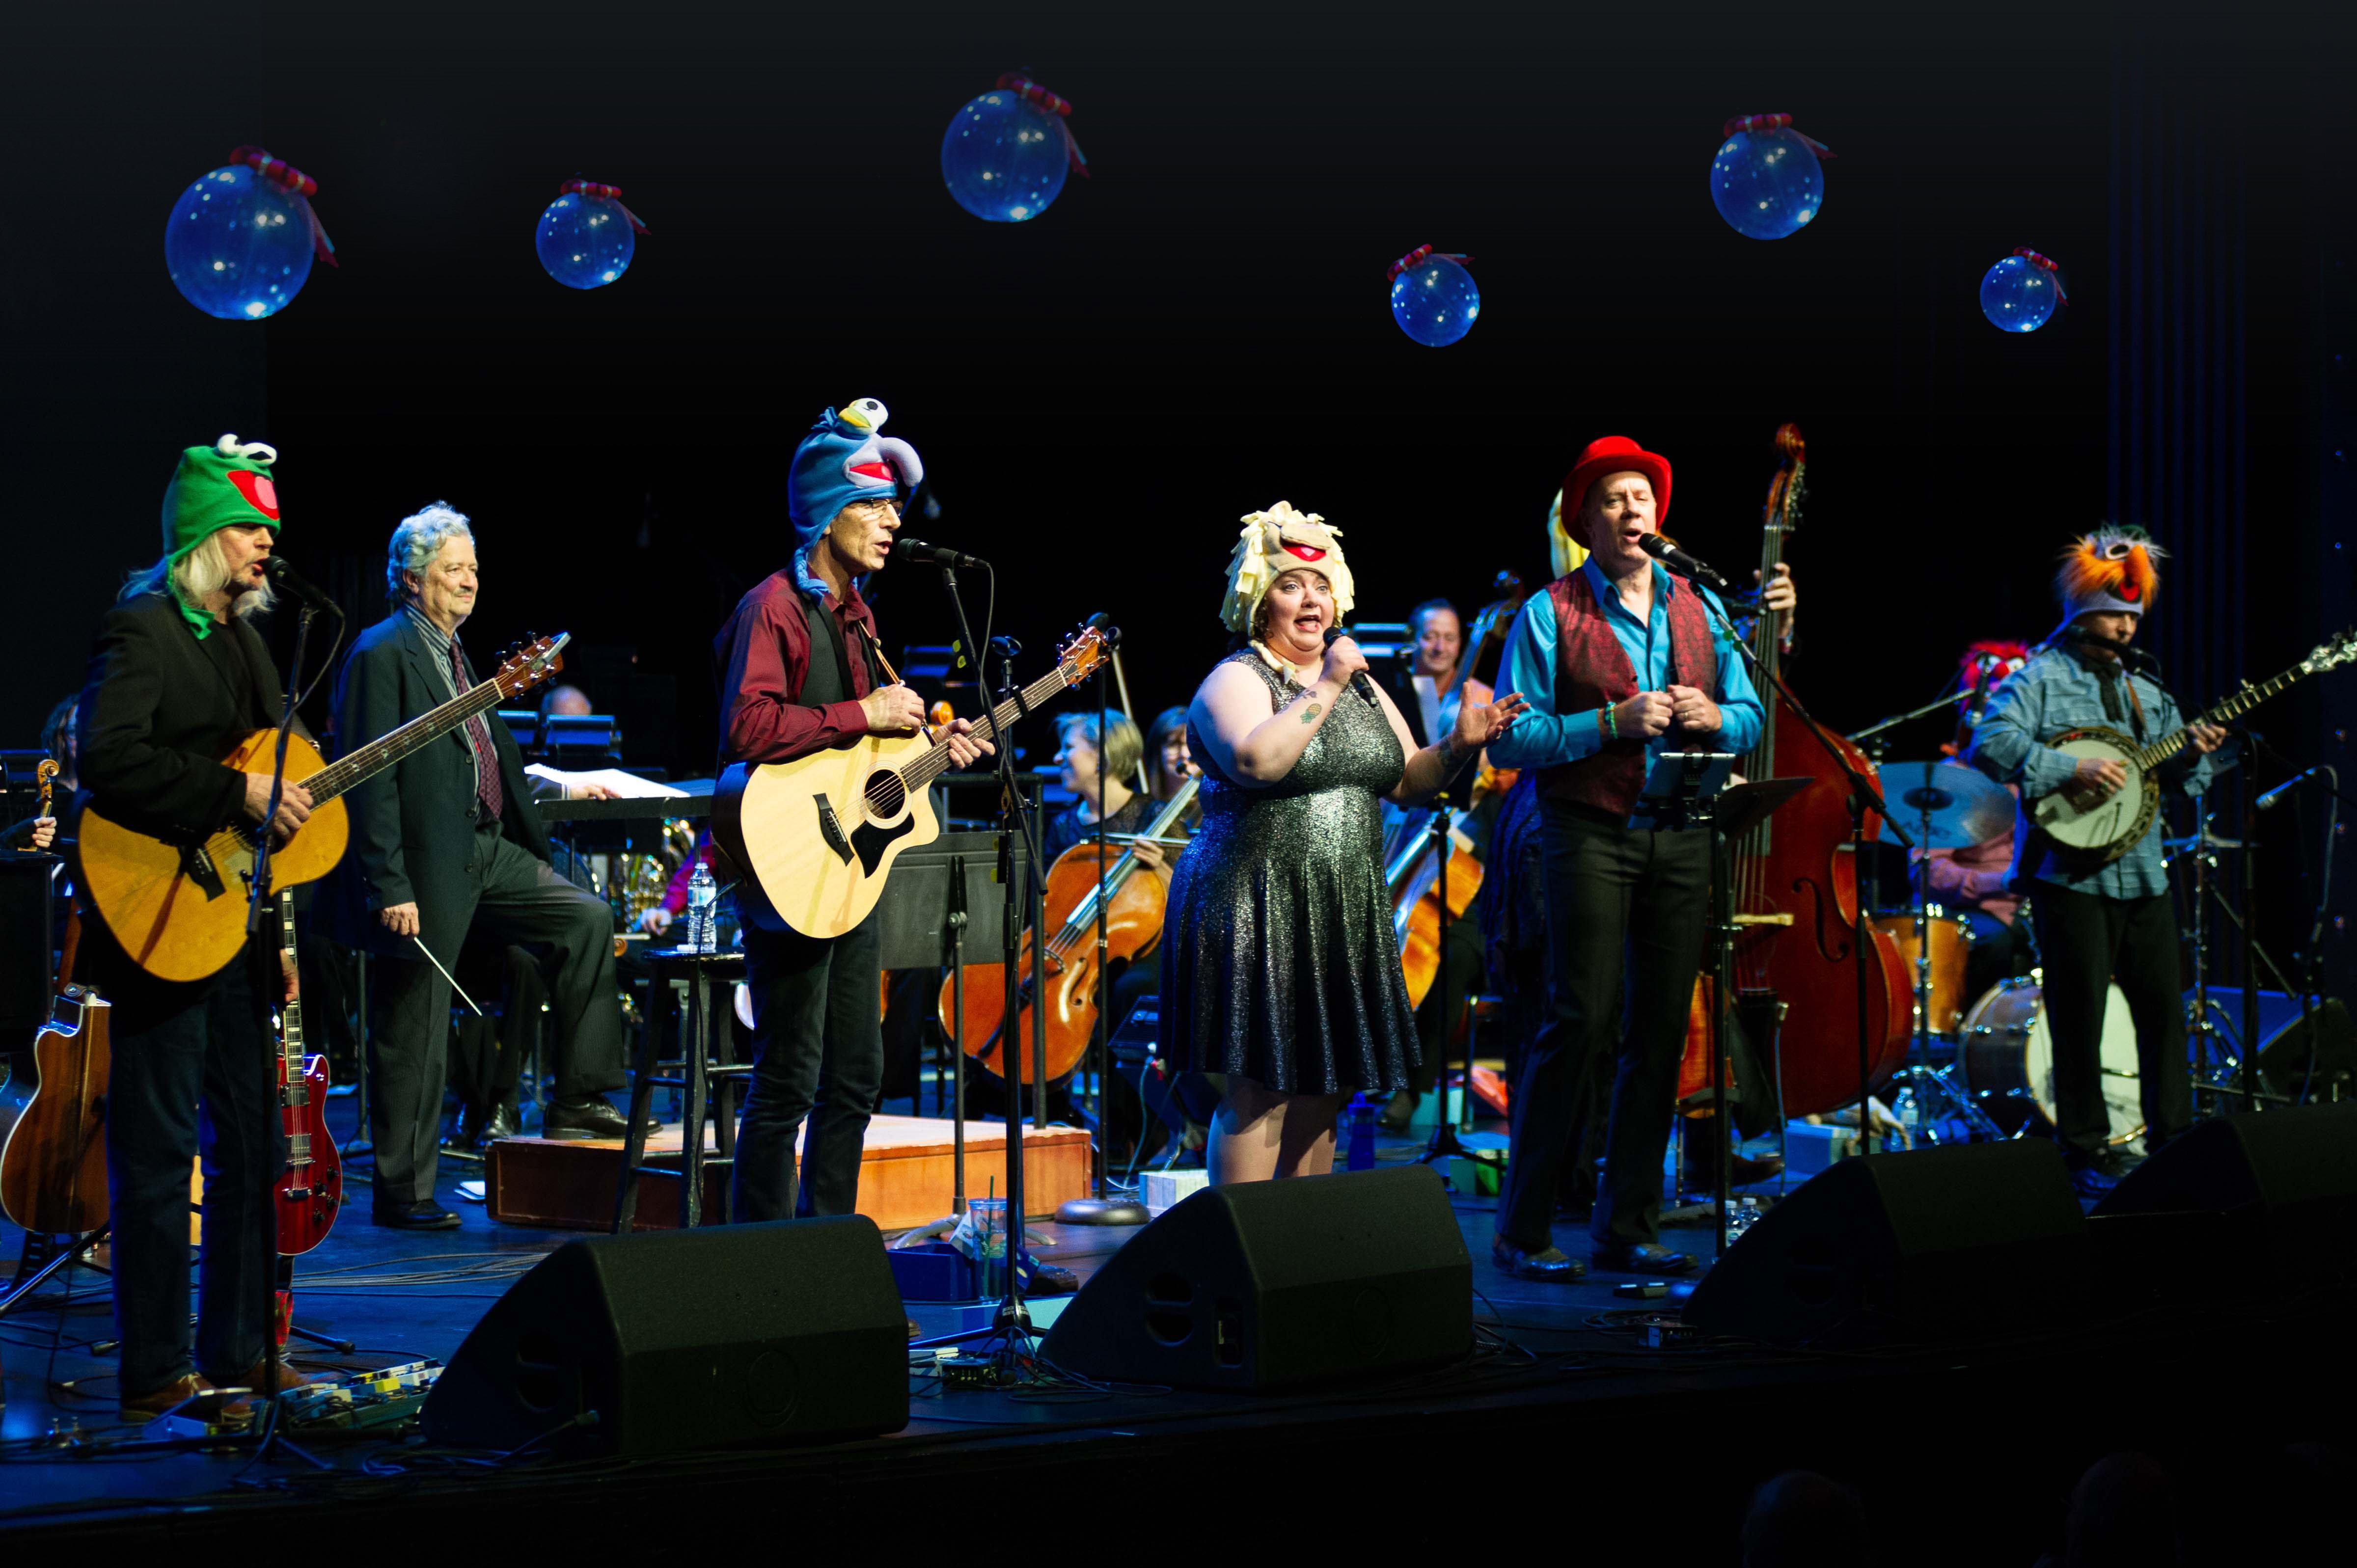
x=1620, y=662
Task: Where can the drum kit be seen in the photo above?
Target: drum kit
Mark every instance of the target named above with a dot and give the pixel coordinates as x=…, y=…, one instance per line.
x=2000, y=1081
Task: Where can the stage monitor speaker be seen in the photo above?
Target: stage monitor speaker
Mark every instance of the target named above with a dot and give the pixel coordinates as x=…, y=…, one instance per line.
x=1268, y=1283
x=2313, y=1057
x=1969, y=1241
x=2285, y=1181
x=730, y=1336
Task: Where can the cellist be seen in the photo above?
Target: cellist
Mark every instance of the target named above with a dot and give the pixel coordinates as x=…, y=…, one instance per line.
x=1620, y=662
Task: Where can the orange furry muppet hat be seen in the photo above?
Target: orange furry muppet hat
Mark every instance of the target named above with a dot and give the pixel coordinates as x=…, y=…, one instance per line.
x=2111, y=569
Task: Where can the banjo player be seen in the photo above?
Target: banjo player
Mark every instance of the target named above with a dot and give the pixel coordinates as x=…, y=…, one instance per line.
x=2099, y=920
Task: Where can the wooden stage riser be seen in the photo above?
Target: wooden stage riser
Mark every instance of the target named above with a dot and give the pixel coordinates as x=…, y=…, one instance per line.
x=905, y=1177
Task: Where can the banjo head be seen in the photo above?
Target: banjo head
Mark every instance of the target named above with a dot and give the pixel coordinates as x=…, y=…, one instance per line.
x=2112, y=827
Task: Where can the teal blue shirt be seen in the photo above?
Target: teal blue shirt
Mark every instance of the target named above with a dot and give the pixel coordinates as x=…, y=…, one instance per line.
x=1547, y=736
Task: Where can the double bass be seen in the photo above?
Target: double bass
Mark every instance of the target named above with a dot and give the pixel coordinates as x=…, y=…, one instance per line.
x=1134, y=910
x=1796, y=883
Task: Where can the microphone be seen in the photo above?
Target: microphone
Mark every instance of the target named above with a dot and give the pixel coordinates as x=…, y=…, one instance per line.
x=286, y=580
x=2267, y=802
x=1981, y=688
x=2126, y=652
x=1359, y=682
x=932, y=554
x=1677, y=560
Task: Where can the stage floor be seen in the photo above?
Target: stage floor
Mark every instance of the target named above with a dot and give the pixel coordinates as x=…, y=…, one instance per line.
x=1562, y=1411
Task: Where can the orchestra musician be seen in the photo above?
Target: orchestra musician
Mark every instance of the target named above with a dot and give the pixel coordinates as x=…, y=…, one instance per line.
x=799, y=672
x=58, y=740
x=446, y=844
x=178, y=676
x=1621, y=663
x=1976, y=881
x=2114, y=923
x=1279, y=965
x=1172, y=763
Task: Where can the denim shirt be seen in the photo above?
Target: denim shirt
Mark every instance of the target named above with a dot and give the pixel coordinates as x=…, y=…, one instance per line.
x=2053, y=692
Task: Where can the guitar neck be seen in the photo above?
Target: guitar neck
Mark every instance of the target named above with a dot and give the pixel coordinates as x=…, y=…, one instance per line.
x=387, y=749
x=2232, y=708
x=290, y=1013
x=936, y=761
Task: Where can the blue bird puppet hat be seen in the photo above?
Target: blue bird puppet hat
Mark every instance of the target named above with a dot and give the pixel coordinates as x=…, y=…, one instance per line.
x=845, y=459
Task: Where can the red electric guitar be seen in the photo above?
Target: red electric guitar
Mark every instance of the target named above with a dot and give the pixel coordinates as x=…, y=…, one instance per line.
x=312, y=1190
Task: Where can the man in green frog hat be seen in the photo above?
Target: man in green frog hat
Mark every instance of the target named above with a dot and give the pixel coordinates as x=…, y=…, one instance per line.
x=178, y=677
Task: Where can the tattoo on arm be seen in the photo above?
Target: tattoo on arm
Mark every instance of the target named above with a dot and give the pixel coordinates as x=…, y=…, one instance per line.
x=1310, y=714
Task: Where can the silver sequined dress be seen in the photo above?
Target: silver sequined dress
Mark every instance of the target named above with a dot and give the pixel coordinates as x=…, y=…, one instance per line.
x=1278, y=959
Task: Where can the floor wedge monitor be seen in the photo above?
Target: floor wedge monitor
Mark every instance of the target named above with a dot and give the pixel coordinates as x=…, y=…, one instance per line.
x=1270, y=1284
x=1970, y=1242
x=729, y=1336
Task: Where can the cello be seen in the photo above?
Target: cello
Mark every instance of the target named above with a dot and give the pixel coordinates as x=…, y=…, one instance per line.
x=1796, y=886
x=1409, y=870
x=1134, y=910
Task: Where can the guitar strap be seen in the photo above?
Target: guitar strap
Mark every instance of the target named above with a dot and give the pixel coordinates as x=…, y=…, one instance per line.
x=2135, y=701
x=818, y=615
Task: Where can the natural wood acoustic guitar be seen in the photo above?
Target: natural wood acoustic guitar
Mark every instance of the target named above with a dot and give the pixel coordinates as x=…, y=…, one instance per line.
x=818, y=835
x=178, y=910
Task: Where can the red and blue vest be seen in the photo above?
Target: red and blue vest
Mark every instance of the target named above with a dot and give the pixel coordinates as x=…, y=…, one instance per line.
x=1592, y=670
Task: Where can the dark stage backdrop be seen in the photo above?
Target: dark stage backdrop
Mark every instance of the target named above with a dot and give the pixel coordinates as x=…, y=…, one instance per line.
x=1200, y=329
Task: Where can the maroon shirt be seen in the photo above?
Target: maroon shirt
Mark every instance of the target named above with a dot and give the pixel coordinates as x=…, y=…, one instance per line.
x=764, y=654
x=1593, y=672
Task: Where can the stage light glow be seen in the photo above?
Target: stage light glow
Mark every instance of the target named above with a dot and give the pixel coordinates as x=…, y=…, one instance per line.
x=1767, y=184
x=238, y=246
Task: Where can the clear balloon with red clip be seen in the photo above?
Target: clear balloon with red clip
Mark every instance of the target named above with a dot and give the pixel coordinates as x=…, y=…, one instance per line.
x=1765, y=179
x=239, y=246
x=585, y=240
x=1434, y=298
x=1005, y=157
x=2018, y=294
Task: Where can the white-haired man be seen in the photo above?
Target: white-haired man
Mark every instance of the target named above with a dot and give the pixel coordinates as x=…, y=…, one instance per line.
x=446, y=844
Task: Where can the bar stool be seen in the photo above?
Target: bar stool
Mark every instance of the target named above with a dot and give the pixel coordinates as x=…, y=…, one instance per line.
x=696, y=975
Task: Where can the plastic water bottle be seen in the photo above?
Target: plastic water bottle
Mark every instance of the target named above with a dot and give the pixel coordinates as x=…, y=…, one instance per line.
x=1742, y=1217
x=1363, y=1135
x=703, y=931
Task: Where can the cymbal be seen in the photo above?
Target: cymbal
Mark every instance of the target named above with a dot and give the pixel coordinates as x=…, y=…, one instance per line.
x=1966, y=806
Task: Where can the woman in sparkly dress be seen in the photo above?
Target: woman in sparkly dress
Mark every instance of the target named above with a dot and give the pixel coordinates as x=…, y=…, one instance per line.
x=1279, y=968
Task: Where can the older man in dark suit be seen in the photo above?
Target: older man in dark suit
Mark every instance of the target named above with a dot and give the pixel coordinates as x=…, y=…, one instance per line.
x=446, y=844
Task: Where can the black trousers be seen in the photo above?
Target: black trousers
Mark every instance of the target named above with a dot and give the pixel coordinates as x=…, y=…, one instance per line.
x=818, y=1056
x=2088, y=942
x=1628, y=906
x=193, y=1076
x=518, y=899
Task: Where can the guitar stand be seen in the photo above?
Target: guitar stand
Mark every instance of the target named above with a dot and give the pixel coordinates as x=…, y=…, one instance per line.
x=21, y=1289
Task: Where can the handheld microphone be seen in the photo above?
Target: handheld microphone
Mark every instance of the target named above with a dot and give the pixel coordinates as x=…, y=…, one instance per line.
x=2267, y=802
x=1677, y=560
x=286, y=580
x=1359, y=682
x=932, y=554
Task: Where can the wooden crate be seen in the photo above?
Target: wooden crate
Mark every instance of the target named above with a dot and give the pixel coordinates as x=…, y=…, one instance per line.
x=904, y=1174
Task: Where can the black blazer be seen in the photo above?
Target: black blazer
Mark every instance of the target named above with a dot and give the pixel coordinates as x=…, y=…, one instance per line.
x=1398, y=678
x=413, y=830
x=159, y=708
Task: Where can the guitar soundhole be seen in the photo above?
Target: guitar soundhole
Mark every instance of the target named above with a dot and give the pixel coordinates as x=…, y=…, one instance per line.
x=886, y=795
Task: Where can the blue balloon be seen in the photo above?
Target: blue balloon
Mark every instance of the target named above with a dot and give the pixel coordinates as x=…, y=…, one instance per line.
x=239, y=246
x=1766, y=183
x=1434, y=302
x=2018, y=295
x=1005, y=159
x=584, y=240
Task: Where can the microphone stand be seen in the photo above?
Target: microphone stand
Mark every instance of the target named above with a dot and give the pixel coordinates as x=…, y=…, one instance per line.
x=266, y=1435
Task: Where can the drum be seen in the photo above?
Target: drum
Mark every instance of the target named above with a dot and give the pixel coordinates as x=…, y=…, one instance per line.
x=2006, y=1059
x=1952, y=943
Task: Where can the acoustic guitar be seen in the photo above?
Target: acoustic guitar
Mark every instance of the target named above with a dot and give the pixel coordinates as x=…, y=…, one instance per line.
x=178, y=910
x=311, y=1190
x=2100, y=832
x=53, y=1168
x=818, y=835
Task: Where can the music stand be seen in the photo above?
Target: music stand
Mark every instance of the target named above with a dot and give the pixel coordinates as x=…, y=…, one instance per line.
x=1689, y=790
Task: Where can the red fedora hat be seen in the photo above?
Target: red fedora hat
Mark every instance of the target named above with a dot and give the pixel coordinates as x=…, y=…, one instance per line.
x=1616, y=455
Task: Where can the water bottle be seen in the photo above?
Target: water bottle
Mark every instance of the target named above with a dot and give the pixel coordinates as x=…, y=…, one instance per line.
x=1741, y=1219
x=703, y=931
x=1363, y=1135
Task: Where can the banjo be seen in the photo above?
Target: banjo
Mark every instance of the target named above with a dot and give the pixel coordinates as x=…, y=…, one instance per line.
x=2109, y=828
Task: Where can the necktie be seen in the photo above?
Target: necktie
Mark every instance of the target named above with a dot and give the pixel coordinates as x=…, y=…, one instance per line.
x=478, y=734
